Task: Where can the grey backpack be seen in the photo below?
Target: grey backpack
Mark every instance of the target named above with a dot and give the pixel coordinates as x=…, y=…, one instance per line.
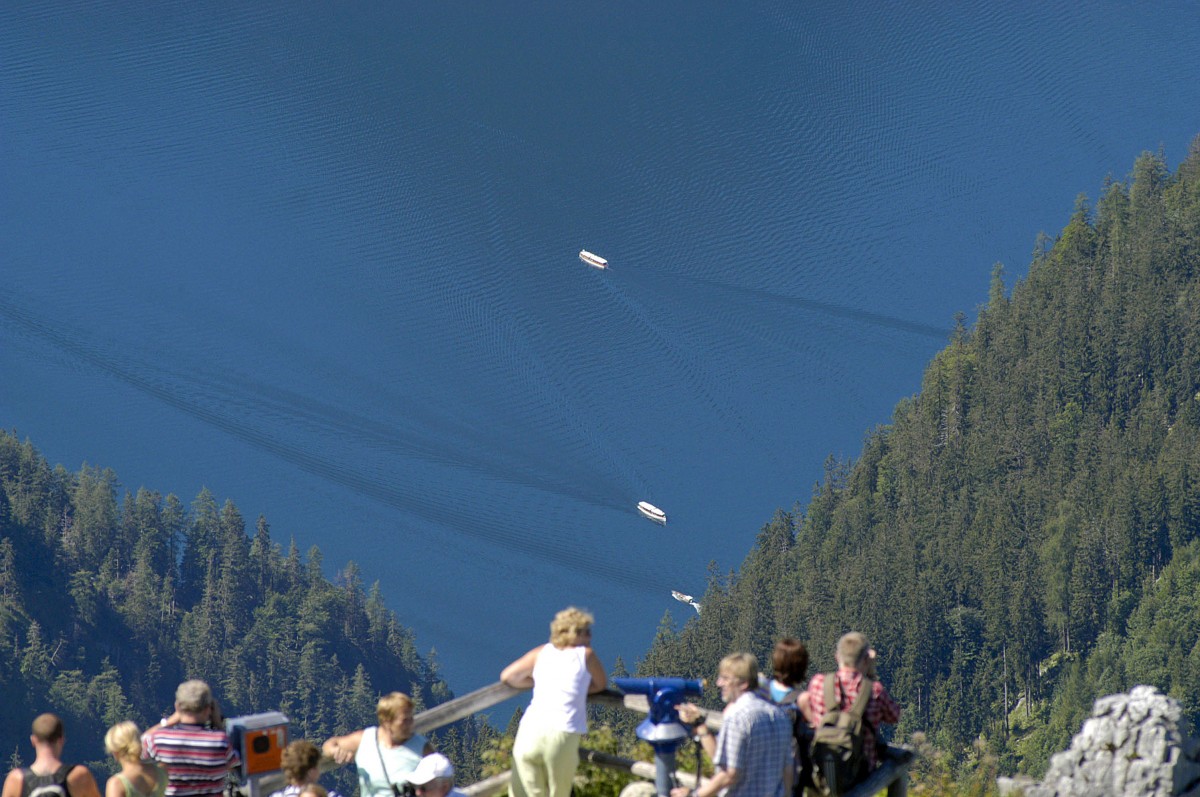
x=52, y=785
x=837, y=746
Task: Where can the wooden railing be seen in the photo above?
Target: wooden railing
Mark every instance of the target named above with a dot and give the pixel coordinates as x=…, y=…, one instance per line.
x=892, y=773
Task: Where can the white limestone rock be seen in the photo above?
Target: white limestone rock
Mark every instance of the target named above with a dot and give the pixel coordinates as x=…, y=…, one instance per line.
x=1134, y=745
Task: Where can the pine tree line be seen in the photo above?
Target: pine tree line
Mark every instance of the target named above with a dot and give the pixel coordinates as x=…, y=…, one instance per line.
x=1022, y=536
x=106, y=605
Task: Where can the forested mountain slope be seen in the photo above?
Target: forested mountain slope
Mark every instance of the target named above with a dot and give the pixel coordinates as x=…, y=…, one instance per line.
x=1022, y=535
x=107, y=603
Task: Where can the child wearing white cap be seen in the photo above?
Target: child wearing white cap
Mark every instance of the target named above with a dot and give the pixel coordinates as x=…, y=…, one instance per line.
x=434, y=777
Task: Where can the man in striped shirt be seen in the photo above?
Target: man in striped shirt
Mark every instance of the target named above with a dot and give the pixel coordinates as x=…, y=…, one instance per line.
x=192, y=745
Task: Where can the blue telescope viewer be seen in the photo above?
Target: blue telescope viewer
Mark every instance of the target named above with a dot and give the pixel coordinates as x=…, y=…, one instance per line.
x=662, y=728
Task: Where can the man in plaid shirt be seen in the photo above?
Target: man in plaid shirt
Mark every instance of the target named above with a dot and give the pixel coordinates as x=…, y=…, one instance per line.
x=752, y=755
x=855, y=659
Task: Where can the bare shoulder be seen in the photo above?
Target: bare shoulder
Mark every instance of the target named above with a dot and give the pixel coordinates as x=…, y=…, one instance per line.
x=81, y=782
x=114, y=788
x=526, y=660
x=13, y=783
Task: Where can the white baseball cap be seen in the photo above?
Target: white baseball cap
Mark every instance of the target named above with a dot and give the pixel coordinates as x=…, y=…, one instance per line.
x=434, y=765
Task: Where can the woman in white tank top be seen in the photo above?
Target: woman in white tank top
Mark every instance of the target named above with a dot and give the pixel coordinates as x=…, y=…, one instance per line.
x=562, y=673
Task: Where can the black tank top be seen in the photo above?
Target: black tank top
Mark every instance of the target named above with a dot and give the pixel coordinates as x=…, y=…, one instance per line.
x=52, y=785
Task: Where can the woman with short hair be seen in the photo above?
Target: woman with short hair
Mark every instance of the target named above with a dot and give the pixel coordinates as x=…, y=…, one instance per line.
x=562, y=674
x=385, y=753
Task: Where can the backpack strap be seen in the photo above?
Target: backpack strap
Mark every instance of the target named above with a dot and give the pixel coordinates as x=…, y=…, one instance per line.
x=864, y=697
x=859, y=707
x=62, y=774
x=830, y=680
x=382, y=765
x=58, y=777
x=791, y=697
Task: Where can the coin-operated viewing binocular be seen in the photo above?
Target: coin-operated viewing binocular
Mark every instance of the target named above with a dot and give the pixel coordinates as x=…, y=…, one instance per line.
x=662, y=728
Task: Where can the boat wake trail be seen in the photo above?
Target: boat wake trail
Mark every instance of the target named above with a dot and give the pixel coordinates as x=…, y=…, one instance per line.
x=816, y=306
x=266, y=417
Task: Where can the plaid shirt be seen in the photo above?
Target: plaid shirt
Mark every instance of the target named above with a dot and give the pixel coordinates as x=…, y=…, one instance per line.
x=756, y=740
x=880, y=708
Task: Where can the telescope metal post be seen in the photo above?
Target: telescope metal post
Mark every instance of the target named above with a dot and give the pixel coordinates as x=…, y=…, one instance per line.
x=664, y=772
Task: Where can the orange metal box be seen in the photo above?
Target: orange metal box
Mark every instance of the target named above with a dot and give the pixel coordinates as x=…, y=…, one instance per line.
x=260, y=739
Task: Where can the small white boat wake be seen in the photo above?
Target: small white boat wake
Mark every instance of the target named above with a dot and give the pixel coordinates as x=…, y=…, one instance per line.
x=688, y=599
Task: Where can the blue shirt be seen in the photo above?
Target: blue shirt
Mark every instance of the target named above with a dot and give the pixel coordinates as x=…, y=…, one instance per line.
x=756, y=740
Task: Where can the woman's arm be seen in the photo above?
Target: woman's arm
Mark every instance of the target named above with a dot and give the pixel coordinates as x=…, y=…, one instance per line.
x=342, y=749
x=596, y=670
x=114, y=788
x=519, y=674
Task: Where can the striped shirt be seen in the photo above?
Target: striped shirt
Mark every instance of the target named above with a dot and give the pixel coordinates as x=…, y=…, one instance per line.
x=197, y=758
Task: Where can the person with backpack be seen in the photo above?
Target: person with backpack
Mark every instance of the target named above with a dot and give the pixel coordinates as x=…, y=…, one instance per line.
x=787, y=689
x=846, y=709
x=48, y=776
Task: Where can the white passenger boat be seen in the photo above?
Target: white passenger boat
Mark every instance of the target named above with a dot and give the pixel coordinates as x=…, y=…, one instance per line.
x=688, y=599
x=592, y=259
x=651, y=512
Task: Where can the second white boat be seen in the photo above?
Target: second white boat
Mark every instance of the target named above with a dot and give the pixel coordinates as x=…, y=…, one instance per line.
x=592, y=259
x=651, y=512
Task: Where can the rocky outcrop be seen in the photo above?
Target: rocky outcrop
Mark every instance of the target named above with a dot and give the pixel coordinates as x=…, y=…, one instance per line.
x=1134, y=744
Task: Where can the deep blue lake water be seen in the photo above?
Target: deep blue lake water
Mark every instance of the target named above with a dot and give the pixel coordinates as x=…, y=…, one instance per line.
x=322, y=258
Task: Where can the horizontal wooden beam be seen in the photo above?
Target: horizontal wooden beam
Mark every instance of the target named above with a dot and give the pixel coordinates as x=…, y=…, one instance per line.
x=891, y=774
x=462, y=707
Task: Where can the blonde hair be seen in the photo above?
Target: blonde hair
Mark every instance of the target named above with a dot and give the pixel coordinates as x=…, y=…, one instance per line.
x=390, y=705
x=742, y=666
x=123, y=741
x=852, y=648
x=567, y=625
